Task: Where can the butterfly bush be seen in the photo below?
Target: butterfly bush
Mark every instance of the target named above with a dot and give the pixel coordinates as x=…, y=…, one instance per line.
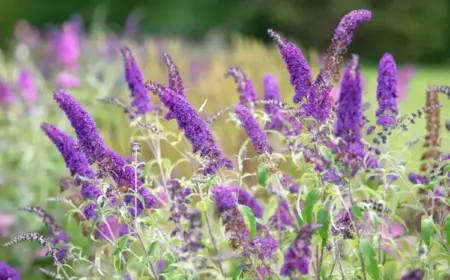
x=316, y=190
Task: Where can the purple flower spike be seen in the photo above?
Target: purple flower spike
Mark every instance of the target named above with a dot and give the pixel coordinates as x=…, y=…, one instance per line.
x=387, y=92
x=75, y=160
x=282, y=217
x=6, y=95
x=194, y=127
x=341, y=40
x=257, y=135
x=69, y=46
x=349, y=113
x=7, y=272
x=299, y=70
x=175, y=82
x=139, y=94
x=90, y=140
x=28, y=88
x=271, y=92
x=319, y=103
x=416, y=274
x=246, y=90
x=227, y=197
x=90, y=211
x=298, y=255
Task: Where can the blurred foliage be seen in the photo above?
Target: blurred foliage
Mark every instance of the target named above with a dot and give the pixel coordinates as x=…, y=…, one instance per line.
x=411, y=30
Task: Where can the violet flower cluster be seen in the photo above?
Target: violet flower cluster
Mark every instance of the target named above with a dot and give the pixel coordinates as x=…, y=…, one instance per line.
x=194, y=128
x=272, y=92
x=299, y=254
x=299, y=70
x=140, y=99
x=387, y=92
x=254, y=131
x=245, y=86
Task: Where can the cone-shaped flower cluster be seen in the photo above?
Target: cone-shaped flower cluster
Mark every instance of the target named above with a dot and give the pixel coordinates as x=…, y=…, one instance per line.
x=69, y=46
x=6, y=95
x=227, y=197
x=139, y=94
x=254, y=131
x=349, y=112
x=387, y=92
x=247, y=92
x=433, y=125
x=299, y=70
x=194, y=127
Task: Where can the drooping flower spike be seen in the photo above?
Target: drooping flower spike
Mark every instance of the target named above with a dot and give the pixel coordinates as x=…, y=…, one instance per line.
x=247, y=92
x=193, y=126
x=254, y=131
x=319, y=103
x=342, y=38
x=75, y=160
x=299, y=70
x=387, y=92
x=139, y=94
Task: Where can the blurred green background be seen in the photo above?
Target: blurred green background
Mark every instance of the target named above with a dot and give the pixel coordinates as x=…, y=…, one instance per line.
x=412, y=30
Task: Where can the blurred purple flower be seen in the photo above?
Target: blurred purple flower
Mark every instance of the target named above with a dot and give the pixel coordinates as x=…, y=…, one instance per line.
x=68, y=49
x=228, y=197
x=27, y=87
x=416, y=274
x=7, y=97
x=387, y=92
x=417, y=178
x=247, y=92
x=254, y=131
x=67, y=80
x=404, y=76
x=111, y=229
x=6, y=221
x=8, y=273
x=282, y=217
x=132, y=25
x=298, y=67
x=272, y=92
x=299, y=254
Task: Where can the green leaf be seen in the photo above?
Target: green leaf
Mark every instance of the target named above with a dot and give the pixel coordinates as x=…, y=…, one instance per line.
x=237, y=272
x=357, y=212
x=121, y=244
x=300, y=221
x=326, y=153
x=263, y=174
x=370, y=260
x=152, y=248
x=447, y=229
x=427, y=230
x=323, y=218
x=311, y=199
x=249, y=219
x=209, y=184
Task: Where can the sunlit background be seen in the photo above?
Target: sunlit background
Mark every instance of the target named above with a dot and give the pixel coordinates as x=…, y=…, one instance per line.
x=204, y=38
